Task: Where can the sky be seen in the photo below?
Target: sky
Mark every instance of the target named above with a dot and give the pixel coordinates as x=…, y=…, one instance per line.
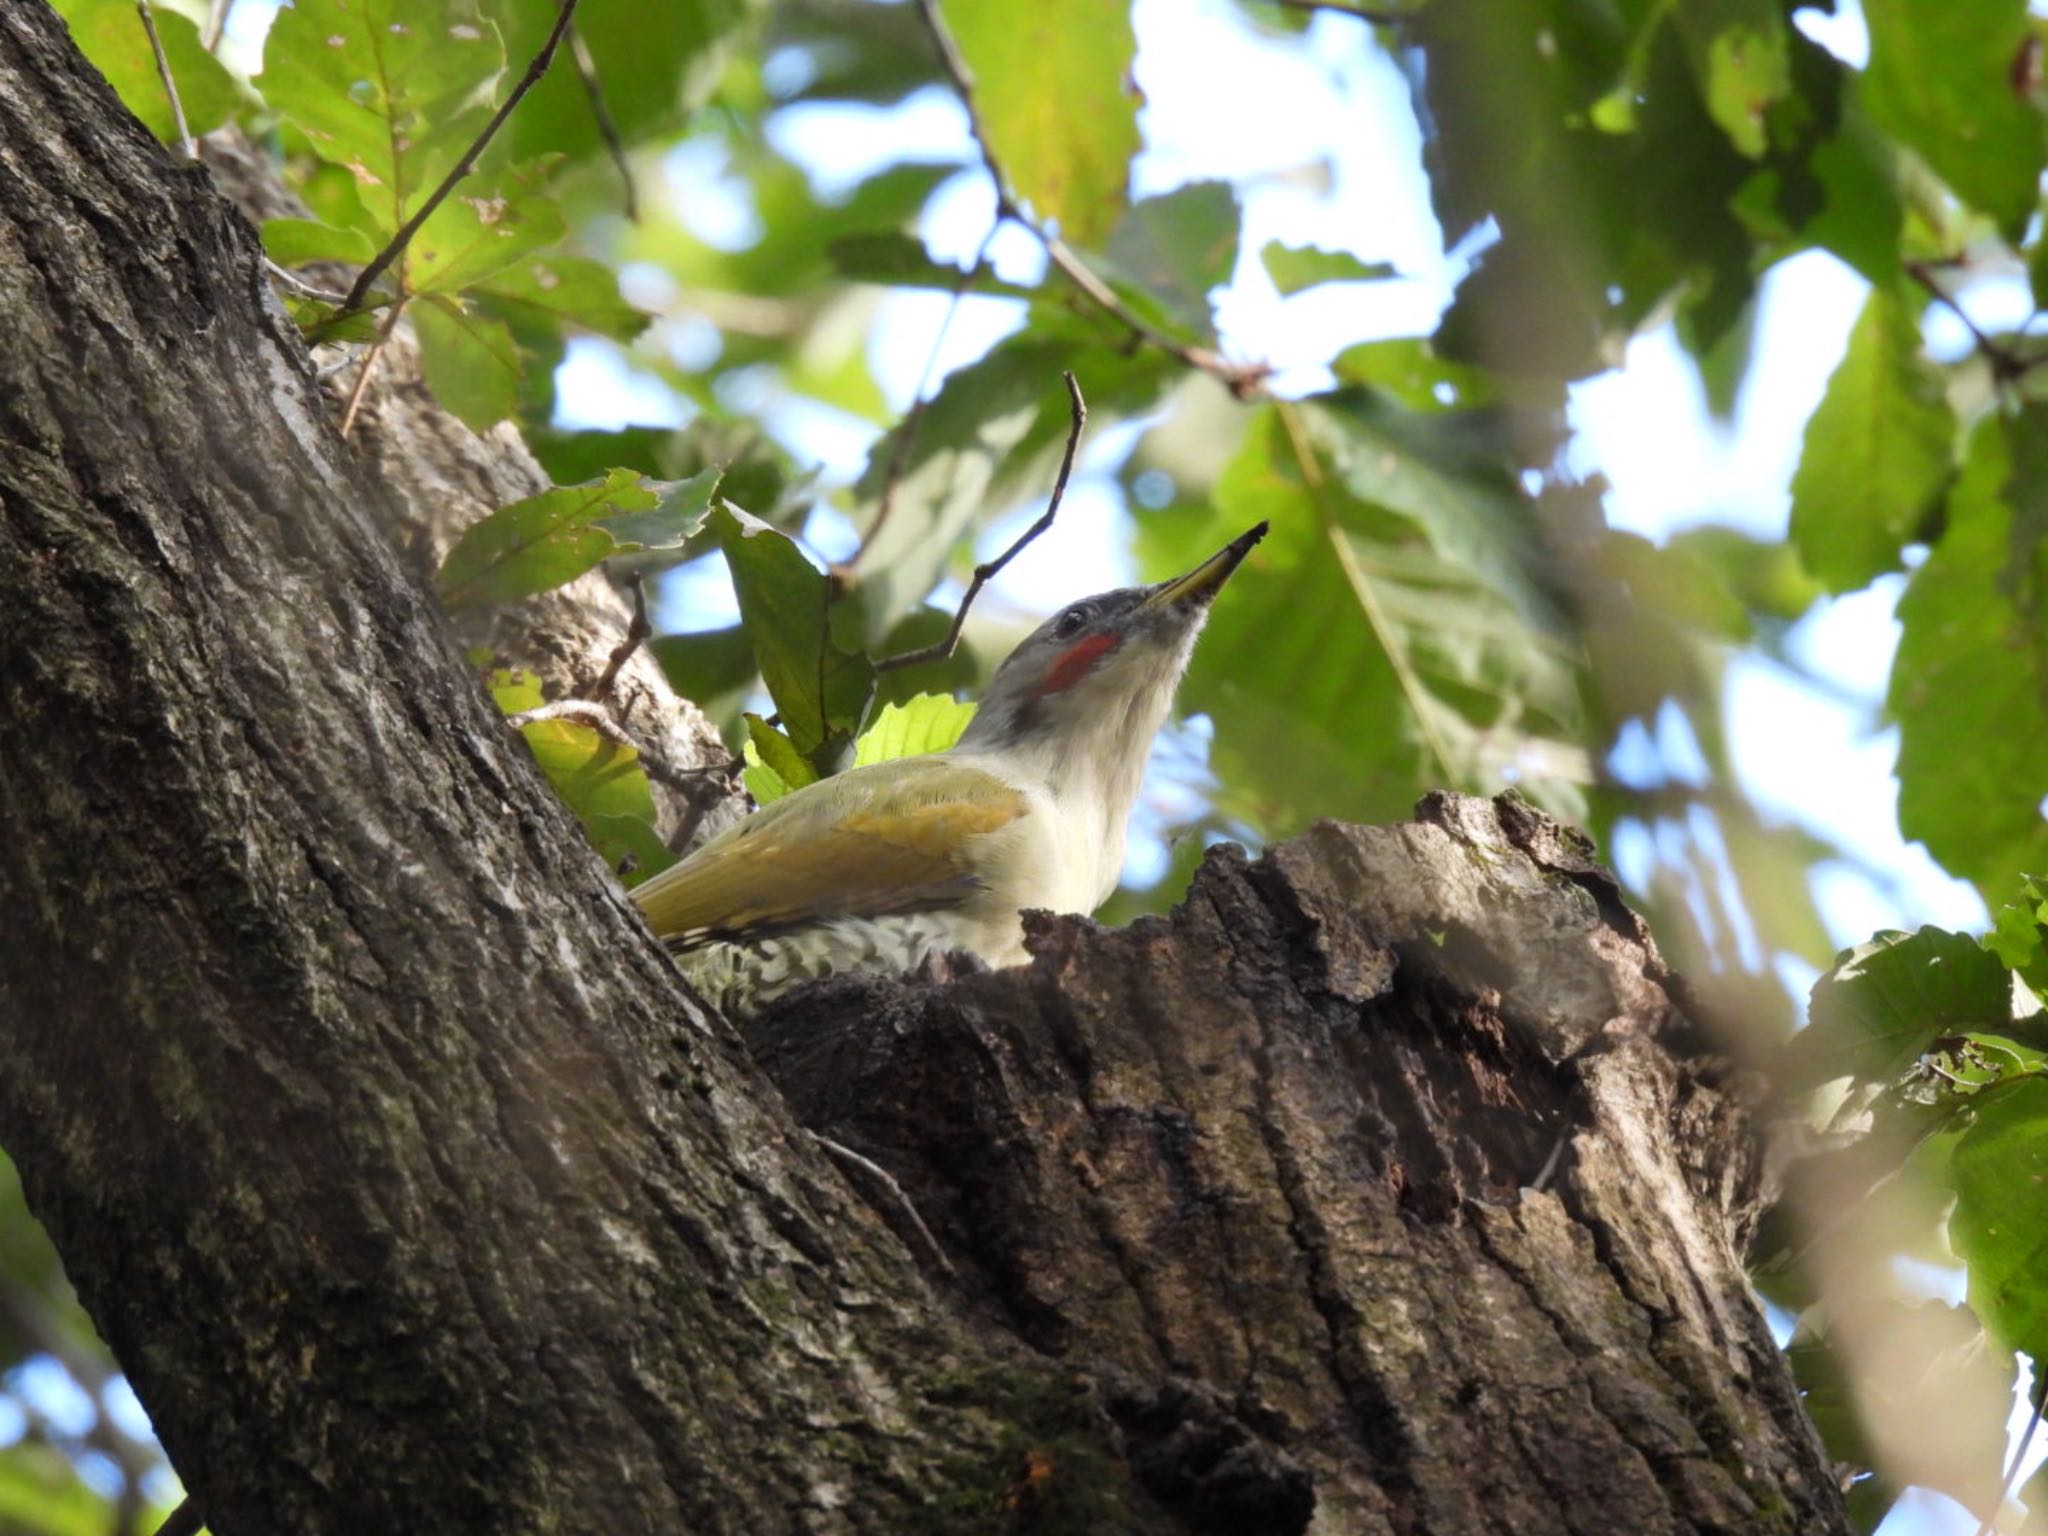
x=1320, y=140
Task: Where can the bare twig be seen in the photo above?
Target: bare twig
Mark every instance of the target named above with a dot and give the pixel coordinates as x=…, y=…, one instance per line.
x=185, y=1520
x=355, y=395
x=596, y=717
x=216, y=24
x=2019, y=1451
x=300, y=286
x=398, y=242
x=586, y=71
x=636, y=634
x=899, y=458
x=986, y=572
x=1241, y=379
x=2006, y=365
x=887, y=1180
x=163, y=69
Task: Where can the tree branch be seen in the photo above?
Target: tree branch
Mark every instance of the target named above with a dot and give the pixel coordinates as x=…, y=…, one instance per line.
x=939, y=650
x=1241, y=379
x=163, y=70
x=398, y=242
x=586, y=71
x=899, y=458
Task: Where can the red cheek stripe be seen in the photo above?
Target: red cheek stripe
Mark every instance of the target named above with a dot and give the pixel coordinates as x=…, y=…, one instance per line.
x=1076, y=664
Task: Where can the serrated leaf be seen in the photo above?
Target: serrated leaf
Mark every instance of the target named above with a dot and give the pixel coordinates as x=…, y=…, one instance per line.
x=1941, y=78
x=537, y=543
x=1050, y=92
x=774, y=768
x=1878, y=451
x=566, y=288
x=391, y=90
x=1295, y=268
x=469, y=360
x=820, y=685
x=477, y=233
x=296, y=242
x=1434, y=658
x=2000, y=1224
x=1969, y=687
x=109, y=33
x=1887, y=1002
x=930, y=722
x=2019, y=934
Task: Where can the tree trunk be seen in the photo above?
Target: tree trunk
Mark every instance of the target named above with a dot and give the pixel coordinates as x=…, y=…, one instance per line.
x=1383, y=1188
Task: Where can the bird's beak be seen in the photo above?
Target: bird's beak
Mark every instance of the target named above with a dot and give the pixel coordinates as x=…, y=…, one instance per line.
x=1195, y=589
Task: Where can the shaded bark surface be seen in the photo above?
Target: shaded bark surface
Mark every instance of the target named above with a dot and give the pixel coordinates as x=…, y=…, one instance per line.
x=414, y=1192
x=1392, y=1153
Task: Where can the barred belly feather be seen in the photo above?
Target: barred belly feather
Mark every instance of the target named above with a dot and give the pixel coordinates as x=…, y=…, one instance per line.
x=738, y=978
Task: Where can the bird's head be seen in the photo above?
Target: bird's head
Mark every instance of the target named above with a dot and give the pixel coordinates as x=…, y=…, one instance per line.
x=1103, y=670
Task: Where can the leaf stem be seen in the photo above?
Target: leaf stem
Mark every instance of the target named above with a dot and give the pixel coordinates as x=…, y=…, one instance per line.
x=586, y=70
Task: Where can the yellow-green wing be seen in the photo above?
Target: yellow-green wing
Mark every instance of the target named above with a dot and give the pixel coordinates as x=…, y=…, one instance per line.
x=892, y=837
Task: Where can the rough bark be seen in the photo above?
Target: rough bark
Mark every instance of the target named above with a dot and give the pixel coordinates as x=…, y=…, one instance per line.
x=441, y=477
x=1392, y=1151
x=414, y=1192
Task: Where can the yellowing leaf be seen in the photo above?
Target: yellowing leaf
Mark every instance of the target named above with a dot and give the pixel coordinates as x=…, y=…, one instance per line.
x=930, y=722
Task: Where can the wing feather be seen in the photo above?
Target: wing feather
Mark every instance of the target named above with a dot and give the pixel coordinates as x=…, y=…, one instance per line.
x=891, y=837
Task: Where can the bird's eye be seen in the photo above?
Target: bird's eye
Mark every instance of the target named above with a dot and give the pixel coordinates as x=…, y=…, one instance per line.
x=1069, y=624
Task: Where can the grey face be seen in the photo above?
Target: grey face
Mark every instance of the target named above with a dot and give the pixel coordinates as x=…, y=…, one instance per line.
x=1095, y=657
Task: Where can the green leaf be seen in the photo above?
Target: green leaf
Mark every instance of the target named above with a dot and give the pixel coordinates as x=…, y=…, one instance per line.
x=2000, y=1224
x=991, y=436
x=1969, y=686
x=930, y=722
x=1169, y=253
x=476, y=234
x=392, y=90
x=601, y=781
x=1861, y=217
x=2019, y=934
x=469, y=360
x=774, y=767
x=821, y=686
x=1050, y=91
x=1296, y=267
x=896, y=258
x=1941, y=79
x=1887, y=1002
x=713, y=668
x=656, y=61
x=295, y=242
x=1878, y=451
x=41, y=1493
x=109, y=33
x=538, y=543
x=1432, y=659
x=1741, y=56
x=574, y=289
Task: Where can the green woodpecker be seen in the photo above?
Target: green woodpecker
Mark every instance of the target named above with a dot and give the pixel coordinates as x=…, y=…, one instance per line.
x=883, y=867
